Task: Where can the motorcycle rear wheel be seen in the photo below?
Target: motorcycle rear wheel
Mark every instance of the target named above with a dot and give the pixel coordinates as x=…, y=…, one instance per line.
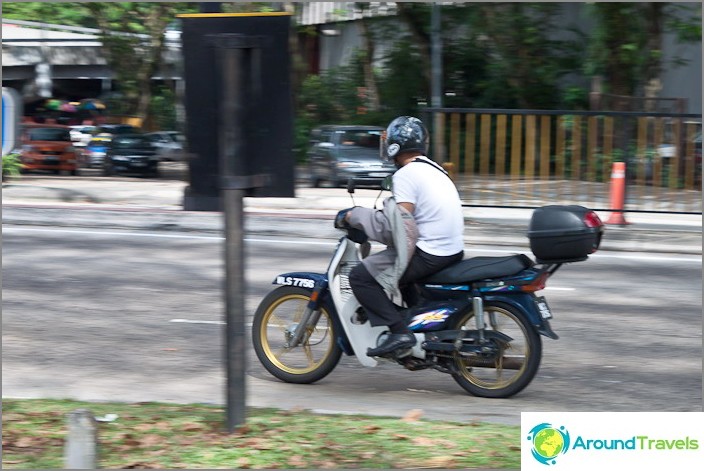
x=275, y=320
x=514, y=366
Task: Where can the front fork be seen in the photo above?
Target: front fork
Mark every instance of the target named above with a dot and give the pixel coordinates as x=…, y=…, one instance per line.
x=310, y=317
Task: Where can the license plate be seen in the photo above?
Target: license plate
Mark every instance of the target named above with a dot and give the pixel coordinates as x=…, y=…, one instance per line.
x=542, y=304
x=139, y=164
x=378, y=174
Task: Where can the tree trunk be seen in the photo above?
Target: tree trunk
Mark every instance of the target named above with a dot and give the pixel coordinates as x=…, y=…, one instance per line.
x=156, y=24
x=407, y=12
x=368, y=66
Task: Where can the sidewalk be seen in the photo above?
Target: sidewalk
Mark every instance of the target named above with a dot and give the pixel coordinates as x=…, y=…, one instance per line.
x=127, y=203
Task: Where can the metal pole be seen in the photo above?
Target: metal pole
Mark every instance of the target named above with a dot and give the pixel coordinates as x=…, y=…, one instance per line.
x=436, y=58
x=436, y=82
x=232, y=197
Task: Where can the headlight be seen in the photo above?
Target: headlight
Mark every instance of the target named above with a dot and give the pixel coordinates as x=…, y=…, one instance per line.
x=347, y=164
x=121, y=158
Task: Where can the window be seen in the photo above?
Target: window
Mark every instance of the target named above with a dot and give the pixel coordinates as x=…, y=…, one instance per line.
x=49, y=134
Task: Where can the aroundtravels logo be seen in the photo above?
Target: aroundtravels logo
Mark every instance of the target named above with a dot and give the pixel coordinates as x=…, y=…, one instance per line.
x=548, y=442
x=588, y=441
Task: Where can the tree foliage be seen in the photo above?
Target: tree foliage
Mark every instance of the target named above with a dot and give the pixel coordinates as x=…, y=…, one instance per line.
x=626, y=44
x=495, y=54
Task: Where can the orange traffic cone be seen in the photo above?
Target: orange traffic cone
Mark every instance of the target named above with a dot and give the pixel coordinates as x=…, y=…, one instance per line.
x=618, y=194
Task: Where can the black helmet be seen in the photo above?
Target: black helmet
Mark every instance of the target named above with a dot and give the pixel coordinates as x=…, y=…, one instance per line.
x=404, y=134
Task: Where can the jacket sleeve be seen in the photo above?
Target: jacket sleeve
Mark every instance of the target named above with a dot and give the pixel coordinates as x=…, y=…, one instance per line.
x=373, y=222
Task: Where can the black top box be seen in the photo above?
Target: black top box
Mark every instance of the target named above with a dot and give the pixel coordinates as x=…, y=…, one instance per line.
x=560, y=234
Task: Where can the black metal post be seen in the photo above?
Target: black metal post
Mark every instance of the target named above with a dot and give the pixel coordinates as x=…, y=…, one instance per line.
x=232, y=195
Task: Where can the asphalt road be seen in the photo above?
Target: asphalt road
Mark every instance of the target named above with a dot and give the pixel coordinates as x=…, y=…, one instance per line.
x=135, y=316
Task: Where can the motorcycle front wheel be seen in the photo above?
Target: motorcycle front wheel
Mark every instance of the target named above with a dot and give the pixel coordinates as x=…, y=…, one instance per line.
x=275, y=321
x=510, y=366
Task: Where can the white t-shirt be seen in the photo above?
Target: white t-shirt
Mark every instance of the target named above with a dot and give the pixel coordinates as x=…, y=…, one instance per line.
x=438, y=209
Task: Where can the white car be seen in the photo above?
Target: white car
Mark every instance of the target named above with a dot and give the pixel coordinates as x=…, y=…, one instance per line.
x=169, y=145
x=82, y=134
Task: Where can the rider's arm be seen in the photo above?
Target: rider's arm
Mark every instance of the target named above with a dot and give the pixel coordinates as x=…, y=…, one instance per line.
x=410, y=207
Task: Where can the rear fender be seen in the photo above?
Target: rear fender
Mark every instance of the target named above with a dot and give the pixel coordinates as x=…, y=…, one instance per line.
x=525, y=303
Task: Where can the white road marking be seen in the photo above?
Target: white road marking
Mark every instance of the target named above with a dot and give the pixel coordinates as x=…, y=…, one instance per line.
x=194, y=321
x=622, y=255
x=191, y=321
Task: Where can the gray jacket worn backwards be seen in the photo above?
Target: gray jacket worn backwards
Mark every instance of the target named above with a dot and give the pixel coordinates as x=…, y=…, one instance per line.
x=394, y=227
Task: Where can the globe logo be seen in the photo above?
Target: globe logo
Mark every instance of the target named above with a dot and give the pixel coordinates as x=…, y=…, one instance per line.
x=548, y=442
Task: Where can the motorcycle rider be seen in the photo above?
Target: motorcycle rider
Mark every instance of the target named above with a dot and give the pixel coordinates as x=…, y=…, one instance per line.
x=425, y=220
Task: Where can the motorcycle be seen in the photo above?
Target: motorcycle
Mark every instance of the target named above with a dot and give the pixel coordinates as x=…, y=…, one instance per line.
x=479, y=320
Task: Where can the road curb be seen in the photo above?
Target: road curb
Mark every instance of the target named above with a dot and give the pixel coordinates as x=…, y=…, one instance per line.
x=309, y=225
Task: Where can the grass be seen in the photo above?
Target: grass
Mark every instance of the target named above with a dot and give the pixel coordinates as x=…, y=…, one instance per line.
x=168, y=436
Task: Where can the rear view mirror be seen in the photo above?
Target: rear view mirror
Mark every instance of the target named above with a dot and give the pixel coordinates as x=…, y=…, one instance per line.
x=387, y=183
x=350, y=186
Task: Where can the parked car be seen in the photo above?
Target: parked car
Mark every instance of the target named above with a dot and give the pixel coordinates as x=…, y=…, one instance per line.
x=82, y=134
x=94, y=152
x=48, y=147
x=169, y=144
x=116, y=129
x=131, y=153
x=338, y=153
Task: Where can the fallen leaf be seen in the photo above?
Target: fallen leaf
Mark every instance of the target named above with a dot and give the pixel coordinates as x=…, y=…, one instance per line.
x=169, y=349
x=326, y=465
x=439, y=462
x=413, y=415
x=297, y=460
x=258, y=444
x=243, y=463
x=398, y=436
x=143, y=427
x=26, y=442
x=192, y=427
x=152, y=440
x=140, y=465
x=371, y=429
x=423, y=441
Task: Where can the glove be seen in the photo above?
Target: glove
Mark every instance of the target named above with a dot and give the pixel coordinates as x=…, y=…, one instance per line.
x=355, y=235
x=340, y=222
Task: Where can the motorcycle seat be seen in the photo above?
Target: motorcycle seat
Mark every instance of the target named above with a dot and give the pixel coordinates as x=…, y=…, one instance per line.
x=481, y=268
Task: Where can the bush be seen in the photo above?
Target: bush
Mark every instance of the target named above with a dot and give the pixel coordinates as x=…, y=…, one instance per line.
x=11, y=165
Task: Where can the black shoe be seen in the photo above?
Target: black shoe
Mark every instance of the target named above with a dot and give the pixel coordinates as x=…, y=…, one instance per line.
x=392, y=343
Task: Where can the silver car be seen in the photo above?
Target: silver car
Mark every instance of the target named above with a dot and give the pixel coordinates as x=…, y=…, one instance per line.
x=169, y=145
x=338, y=153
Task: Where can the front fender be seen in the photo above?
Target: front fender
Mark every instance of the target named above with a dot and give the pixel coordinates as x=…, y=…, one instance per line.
x=312, y=281
x=525, y=303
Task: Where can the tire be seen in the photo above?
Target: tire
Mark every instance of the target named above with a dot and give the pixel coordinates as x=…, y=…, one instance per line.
x=311, y=361
x=509, y=372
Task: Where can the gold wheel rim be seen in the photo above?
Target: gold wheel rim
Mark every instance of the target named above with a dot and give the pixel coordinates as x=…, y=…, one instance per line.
x=519, y=347
x=275, y=329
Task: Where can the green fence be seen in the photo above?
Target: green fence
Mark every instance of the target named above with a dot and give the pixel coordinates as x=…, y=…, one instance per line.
x=530, y=158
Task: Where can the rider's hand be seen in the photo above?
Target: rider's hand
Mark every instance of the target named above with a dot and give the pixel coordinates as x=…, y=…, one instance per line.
x=340, y=219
